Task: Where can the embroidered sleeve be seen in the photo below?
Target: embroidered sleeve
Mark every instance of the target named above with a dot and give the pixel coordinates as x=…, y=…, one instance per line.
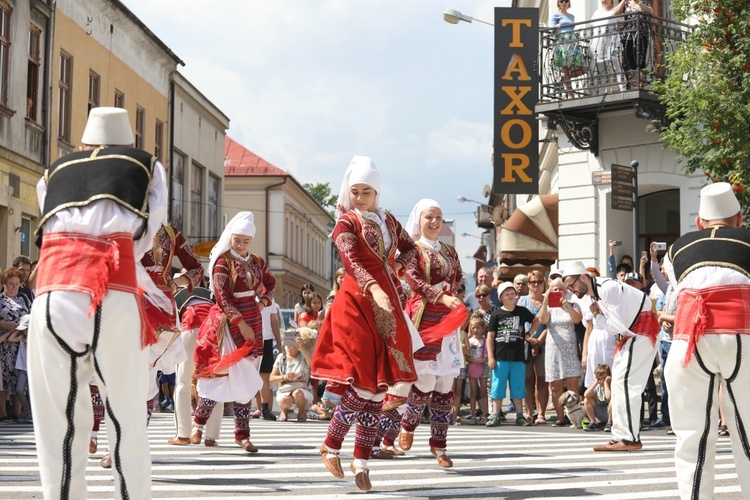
x=417, y=279
x=404, y=243
x=268, y=280
x=189, y=261
x=346, y=242
x=222, y=280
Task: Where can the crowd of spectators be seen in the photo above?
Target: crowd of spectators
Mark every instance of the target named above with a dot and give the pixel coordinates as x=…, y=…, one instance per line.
x=569, y=350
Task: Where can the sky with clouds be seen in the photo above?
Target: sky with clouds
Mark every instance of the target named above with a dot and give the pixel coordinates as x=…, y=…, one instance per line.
x=307, y=84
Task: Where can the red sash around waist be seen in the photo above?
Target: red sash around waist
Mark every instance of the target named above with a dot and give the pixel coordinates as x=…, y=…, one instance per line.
x=82, y=263
x=647, y=325
x=709, y=311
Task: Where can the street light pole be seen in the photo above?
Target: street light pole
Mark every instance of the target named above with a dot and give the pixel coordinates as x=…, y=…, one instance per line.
x=454, y=17
x=636, y=217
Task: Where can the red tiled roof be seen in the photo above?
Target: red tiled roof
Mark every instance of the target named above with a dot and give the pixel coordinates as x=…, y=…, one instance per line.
x=240, y=161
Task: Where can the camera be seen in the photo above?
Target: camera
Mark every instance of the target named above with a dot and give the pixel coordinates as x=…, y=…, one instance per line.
x=660, y=245
x=618, y=243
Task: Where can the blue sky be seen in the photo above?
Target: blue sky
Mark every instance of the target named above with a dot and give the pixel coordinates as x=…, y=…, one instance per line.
x=308, y=84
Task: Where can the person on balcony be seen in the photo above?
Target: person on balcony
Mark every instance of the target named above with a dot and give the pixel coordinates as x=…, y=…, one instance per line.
x=634, y=35
x=567, y=56
x=604, y=49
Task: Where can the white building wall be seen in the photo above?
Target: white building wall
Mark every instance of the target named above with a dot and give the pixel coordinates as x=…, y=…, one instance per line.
x=106, y=23
x=587, y=221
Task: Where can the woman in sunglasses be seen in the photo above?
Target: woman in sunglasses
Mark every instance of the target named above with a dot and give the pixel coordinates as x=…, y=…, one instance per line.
x=536, y=382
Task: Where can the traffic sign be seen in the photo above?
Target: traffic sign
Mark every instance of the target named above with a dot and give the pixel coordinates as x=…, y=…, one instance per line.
x=203, y=248
x=622, y=188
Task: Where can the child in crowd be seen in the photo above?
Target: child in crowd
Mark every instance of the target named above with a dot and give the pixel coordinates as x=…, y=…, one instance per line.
x=596, y=399
x=324, y=409
x=477, y=360
x=506, y=334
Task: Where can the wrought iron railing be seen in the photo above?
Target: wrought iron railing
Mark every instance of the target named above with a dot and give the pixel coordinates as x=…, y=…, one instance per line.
x=605, y=56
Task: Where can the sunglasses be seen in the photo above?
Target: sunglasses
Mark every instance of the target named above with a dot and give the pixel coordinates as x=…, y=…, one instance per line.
x=481, y=295
x=536, y=282
x=570, y=287
x=461, y=290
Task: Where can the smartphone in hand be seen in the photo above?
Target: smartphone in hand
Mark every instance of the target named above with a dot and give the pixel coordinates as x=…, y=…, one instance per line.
x=554, y=299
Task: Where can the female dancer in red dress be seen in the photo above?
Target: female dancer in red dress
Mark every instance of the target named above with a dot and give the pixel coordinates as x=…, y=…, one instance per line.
x=230, y=342
x=364, y=344
x=433, y=277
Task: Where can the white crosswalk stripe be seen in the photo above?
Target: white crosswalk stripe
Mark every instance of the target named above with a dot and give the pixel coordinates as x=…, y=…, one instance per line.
x=504, y=462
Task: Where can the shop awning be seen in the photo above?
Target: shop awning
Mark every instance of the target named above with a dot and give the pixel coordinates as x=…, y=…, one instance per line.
x=528, y=239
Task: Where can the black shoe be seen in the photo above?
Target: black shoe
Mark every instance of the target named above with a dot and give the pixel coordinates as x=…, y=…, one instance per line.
x=268, y=414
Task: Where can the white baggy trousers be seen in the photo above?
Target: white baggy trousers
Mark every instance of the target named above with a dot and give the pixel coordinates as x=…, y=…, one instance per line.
x=67, y=347
x=720, y=359
x=182, y=405
x=632, y=365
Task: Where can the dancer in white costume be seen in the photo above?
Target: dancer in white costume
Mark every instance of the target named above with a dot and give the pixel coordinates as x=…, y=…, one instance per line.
x=710, y=270
x=87, y=314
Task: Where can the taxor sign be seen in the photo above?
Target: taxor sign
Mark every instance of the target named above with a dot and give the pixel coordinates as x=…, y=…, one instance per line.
x=516, y=132
x=203, y=248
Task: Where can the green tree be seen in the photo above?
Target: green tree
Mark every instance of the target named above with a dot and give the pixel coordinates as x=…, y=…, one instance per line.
x=707, y=93
x=321, y=191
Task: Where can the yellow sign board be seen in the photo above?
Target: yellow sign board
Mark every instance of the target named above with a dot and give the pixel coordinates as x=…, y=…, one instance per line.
x=203, y=248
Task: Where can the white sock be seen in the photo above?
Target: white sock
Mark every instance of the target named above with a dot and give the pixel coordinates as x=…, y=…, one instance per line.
x=332, y=451
x=439, y=452
x=94, y=434
x=360, y=464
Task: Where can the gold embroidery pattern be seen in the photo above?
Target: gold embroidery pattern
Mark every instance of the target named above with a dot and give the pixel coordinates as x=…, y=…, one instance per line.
x=385, y=322
x=401, y=360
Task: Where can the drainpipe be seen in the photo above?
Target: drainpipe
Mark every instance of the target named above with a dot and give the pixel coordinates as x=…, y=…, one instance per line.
x=268, y=216
x=47, y=86
x=171, y=149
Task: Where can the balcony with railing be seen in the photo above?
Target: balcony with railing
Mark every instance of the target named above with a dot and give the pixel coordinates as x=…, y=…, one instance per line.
x=603, y=65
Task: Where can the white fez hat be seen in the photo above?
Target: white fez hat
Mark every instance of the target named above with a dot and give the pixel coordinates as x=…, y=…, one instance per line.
x=108, y=127
x=718, y=202
x=574, y=269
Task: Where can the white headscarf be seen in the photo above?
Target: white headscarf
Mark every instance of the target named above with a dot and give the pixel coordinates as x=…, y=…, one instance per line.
x=243, y=223
x=412, y=225
x=362, y=170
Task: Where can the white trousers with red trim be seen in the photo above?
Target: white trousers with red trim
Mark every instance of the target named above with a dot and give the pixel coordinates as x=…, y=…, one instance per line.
x=182, y=403
x=630, y=370
x=66, y=348
x=720, y=359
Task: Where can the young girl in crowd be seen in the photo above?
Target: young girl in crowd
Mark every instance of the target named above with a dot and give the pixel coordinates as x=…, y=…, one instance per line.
x=477, y=362
x=311, y=310
x=306, y=291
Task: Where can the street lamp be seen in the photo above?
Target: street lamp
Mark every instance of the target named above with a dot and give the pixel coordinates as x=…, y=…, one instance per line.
x=469, y=234
x=454, y=17
x=464, y=199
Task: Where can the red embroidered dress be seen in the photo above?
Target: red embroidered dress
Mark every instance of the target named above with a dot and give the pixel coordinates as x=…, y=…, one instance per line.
x=359, y=343
x=169, y=243
x=430, y=275
x=236, y=285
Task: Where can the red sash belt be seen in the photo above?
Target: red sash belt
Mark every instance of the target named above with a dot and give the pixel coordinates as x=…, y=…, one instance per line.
x=647, y=325
x=719, y=309
x=82, y=263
